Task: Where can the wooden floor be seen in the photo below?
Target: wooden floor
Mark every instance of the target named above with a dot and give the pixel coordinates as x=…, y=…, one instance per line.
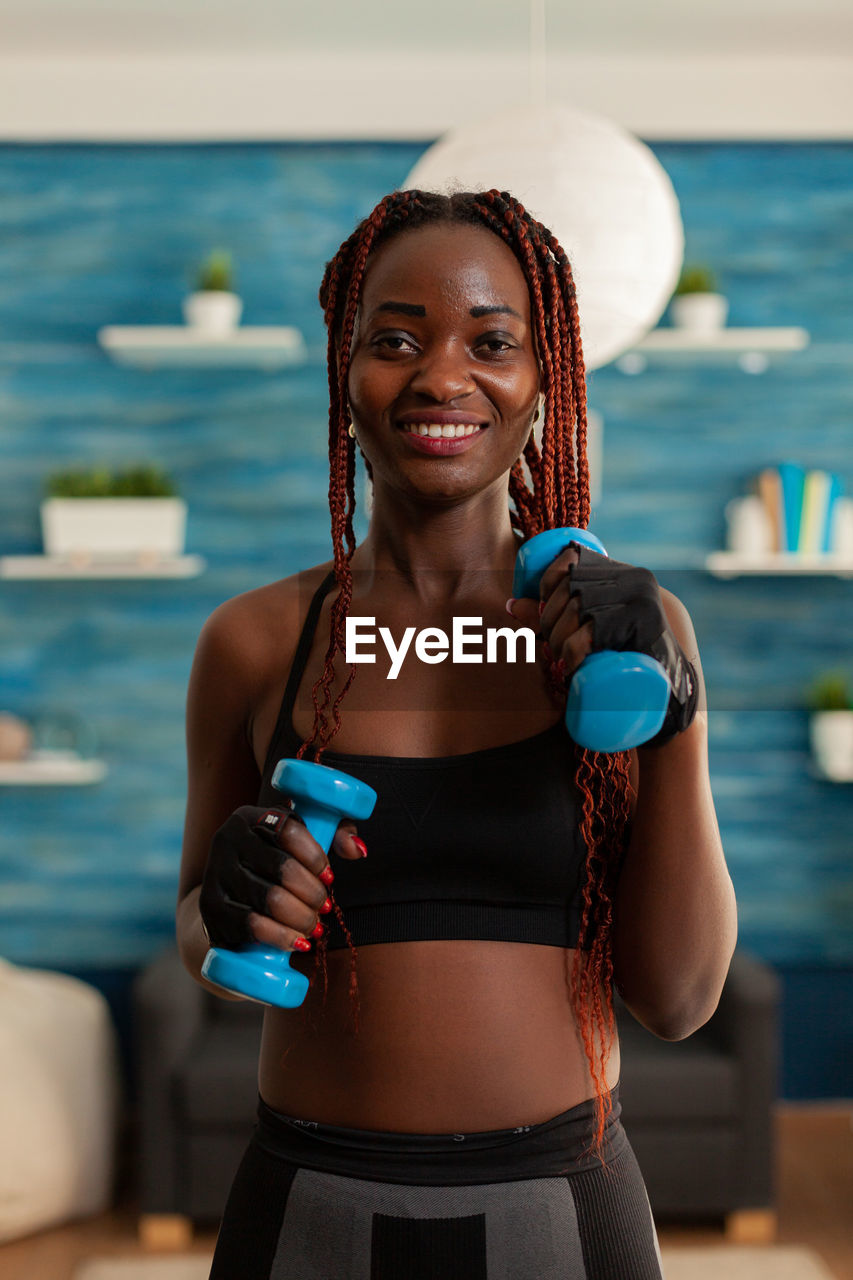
x=815, y=1181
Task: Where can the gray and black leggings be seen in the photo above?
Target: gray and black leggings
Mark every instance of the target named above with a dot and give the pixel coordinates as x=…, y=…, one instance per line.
x=317, y=1202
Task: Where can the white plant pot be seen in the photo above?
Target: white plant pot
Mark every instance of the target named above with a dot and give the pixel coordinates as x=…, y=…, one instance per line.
x=831, y=735
x=699, y=312
x=213, y=311
x=112, y=528
x=748, y=528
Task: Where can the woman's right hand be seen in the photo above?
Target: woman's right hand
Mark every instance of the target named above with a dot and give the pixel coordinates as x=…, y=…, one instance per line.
x=267, y=880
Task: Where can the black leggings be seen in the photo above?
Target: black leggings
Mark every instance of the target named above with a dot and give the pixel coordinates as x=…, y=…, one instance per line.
x=317, y=1202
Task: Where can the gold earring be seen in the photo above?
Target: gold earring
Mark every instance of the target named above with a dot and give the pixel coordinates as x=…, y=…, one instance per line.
x=351, y=431
x=540, y=405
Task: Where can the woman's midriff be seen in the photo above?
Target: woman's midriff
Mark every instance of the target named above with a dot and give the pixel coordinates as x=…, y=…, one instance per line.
x=454, y=1036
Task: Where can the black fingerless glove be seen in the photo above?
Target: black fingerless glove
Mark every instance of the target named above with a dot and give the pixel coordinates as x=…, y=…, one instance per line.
x=624, y=605
x=244, y=862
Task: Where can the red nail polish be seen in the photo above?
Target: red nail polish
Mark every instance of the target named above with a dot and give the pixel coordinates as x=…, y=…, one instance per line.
x=327, y=875
x=302, y=944
x=326, y=907
x=318, y=930
x=360, y=845
x=541, y=607
x=546, y=649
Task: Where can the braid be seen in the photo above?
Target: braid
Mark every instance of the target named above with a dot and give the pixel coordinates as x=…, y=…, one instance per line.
x=557, y=495
x=340, y=294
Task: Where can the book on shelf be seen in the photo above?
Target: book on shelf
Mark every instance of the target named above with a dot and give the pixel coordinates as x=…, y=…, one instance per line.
x=801, y=507
x=821, y=489
x=770, y=491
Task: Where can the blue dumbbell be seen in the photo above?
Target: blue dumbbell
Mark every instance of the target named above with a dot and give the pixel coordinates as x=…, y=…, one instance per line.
x=617, y=700
x=321, y=797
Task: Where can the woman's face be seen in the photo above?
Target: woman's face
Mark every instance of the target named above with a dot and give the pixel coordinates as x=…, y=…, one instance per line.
x=444, y=377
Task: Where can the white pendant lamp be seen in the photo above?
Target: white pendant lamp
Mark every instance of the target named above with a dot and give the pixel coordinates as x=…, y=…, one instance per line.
x=602, y=192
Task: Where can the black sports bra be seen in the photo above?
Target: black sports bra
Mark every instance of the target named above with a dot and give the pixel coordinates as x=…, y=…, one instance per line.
x=483, y=845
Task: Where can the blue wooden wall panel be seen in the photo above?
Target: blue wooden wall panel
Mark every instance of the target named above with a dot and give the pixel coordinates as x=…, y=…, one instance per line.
x=94, y=235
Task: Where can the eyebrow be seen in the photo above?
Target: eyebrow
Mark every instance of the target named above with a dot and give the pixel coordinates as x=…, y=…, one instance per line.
x=405, y=308
x=500, y=309
x=415, y=309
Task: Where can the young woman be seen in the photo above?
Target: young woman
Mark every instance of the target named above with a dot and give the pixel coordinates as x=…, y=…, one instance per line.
x=445, y=1103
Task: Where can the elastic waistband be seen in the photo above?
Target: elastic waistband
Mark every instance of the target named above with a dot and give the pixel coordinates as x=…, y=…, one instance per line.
x=556, y=1147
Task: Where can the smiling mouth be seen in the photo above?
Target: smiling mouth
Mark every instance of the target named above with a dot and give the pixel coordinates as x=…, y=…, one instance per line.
x=442, y=430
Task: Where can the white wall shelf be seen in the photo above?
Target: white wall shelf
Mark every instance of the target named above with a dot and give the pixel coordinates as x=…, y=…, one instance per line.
x=674, y=341
x=731, y=564
x=45, y=567
x=751, y=348
x=266, y=347
x=51, y=769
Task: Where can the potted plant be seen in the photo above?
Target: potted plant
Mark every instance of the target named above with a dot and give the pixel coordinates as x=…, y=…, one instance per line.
x=831, y=725
x=214, y=308
x=104, y=514
x=696, y=304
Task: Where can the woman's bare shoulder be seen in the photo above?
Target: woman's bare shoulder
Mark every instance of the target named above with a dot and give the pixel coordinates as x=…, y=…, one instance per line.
x=247, y=645
x=264, y=622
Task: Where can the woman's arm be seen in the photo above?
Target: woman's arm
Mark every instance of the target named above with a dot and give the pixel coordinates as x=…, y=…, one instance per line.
x=275, y=897
x=675, y=921
x=222, y=773
x=675, y=918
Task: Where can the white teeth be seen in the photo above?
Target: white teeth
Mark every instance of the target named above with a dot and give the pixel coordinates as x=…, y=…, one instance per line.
x=442, y=430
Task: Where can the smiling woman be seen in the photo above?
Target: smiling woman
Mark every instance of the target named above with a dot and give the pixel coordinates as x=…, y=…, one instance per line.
x=435, y=375
x=446, y=1104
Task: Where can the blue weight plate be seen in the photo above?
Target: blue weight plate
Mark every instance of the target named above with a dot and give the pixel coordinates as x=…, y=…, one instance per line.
x=331, y=788
x=541, y=550
x=257, y=972
x=617, y=701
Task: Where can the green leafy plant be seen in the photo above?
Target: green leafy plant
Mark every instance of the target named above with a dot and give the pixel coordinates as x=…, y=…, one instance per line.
x=216, y=273
x=143, y=481
x=830, y=691
x=696, y=279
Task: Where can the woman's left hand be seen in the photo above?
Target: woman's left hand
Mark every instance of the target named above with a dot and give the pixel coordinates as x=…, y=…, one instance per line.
x=589, y=602
x=556, y=615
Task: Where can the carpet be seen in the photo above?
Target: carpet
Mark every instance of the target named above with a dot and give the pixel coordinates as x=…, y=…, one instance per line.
x=181, y=1267
x=744, y=1262
x=740, y=1262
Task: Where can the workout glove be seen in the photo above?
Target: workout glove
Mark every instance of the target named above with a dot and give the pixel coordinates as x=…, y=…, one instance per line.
x=624, y=605
x=244, y=862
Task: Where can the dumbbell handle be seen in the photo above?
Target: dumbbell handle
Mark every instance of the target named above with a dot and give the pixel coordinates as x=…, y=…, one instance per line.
x=321, y=797
x=616, y=700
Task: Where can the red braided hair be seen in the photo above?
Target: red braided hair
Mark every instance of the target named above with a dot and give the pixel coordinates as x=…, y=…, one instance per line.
x=559, y=496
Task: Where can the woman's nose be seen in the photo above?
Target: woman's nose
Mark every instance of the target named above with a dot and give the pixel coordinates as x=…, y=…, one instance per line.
x=442, y=376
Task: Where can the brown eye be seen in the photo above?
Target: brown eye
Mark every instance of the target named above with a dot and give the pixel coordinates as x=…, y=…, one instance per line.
x=393, y=342
x=495, y=344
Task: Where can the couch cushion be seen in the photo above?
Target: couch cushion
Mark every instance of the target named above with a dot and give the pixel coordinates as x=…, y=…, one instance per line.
x=233, y=1012
x=692, y=1170
x=217, y=1083
x=691, y=1080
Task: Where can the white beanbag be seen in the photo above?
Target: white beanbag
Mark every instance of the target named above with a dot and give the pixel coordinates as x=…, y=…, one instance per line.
x=59, y=1094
